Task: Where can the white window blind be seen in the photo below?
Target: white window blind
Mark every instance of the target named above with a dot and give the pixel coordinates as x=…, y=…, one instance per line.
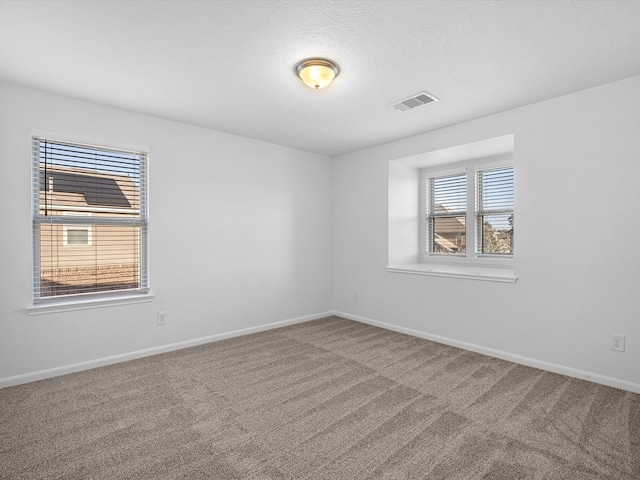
x=494, y=211
x=90, y=220
x=446, y=214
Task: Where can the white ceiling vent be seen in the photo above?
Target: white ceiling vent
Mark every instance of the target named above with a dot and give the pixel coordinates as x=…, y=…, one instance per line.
x=414, y=101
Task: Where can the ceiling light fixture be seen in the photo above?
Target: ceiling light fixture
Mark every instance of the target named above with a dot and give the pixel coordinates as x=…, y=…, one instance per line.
x=317, y=72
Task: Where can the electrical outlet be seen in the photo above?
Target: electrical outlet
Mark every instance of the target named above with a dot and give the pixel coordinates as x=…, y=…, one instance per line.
x=162, y=318
x=354, y=296
x=617, y=342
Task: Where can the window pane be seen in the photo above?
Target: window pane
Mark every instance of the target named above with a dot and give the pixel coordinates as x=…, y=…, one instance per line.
x=449, y=234
x=77, y=237
x=495, y=211
x=447, y=204
x=110, y=262
x=497, y=234
x=76, y=178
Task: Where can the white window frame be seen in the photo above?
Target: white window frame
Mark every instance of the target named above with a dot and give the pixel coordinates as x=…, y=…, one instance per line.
x=53, y=304
x=479, y=211
x=425, y=240
x=407, y=227
x=471, y=256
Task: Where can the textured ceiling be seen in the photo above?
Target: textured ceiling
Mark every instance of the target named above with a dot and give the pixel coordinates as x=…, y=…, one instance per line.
x=228, y=65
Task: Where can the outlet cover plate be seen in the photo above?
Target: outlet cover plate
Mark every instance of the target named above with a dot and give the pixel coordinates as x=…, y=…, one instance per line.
x=617, y=342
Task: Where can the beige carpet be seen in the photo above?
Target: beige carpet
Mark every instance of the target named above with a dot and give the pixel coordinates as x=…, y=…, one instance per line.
x=327, y=399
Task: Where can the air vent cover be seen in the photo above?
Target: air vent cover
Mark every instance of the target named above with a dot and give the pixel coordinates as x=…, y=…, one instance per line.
x=414, y=101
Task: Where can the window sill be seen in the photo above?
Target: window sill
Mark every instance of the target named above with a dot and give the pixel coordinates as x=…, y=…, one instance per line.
x=71, y=305
x=504, y=275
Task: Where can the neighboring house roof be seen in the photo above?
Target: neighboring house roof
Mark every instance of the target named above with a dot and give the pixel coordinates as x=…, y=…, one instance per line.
x=448, y=228
x=75, y=187
x=445, y=244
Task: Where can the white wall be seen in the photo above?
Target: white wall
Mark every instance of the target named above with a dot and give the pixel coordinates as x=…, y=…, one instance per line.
x=240, y=236
x=577, y=167
x=245, y=242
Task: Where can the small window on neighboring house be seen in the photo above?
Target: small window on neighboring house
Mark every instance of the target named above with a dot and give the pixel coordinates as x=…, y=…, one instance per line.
x=89, y=222
x=76, y=235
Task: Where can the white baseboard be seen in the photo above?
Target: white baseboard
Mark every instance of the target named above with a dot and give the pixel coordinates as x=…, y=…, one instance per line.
x=100, y=362
x=529, y=362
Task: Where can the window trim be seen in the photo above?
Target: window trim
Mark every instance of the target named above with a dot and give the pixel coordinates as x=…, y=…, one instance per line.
x=69, y=305
x=69, y=302
x=407, y=234
x=471, y=169
x=471, y=256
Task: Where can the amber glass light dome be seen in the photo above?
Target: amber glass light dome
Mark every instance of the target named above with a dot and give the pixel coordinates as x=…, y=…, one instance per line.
x=317, y=72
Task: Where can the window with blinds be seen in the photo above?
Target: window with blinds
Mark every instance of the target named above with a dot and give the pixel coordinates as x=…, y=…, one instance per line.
x=451, y=218
x=90, y=220
x=494, y=211
x=446, y=212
